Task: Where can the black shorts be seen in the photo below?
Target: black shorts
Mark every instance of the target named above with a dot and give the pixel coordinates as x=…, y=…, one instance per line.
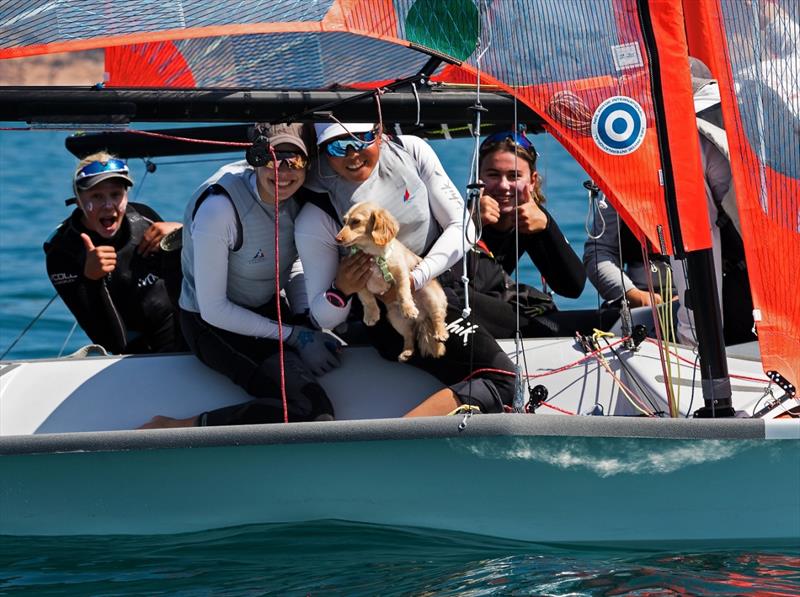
x=474, y=366
x=254, y=364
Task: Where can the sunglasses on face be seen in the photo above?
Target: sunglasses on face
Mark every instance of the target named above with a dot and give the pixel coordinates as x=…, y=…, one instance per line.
x=356, y=141
x=94, y=168
x=294, y=160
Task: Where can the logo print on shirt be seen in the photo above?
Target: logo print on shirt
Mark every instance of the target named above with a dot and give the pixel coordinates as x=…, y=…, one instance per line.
x=456, y=328
x=259, y=256
x=406, y=196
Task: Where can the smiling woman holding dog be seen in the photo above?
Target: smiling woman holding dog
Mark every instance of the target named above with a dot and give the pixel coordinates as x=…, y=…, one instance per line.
x=404, y=176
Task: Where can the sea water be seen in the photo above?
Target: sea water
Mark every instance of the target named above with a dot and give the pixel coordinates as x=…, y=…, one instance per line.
x=327, y=558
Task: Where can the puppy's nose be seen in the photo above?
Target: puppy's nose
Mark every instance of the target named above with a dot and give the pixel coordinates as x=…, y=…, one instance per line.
x=339, y=238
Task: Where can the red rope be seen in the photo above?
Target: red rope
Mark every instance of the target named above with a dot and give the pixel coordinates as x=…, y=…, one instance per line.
x=276, y=166
x=188, y=139
x=692, y=363
x=561, y=410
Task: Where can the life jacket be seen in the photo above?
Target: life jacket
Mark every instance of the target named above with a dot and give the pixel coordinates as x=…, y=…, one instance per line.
x=251, y=262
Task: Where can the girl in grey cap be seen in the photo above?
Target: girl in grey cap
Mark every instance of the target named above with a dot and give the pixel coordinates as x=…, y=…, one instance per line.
x=228, y=300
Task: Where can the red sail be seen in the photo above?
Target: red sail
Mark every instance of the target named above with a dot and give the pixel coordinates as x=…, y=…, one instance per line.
x=754, y=51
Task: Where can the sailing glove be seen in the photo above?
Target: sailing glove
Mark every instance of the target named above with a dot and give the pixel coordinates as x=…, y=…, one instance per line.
x=316, y=349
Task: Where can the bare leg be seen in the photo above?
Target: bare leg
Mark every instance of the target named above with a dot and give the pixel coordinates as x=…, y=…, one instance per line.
x=371, y=311
x=442, y=402
x=159, y=422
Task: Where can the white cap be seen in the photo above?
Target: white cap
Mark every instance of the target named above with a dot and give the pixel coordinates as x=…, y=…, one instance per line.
x=327, y=131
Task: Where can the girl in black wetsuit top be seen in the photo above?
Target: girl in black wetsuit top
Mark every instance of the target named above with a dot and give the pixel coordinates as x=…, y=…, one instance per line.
x=512, y=202
x=106, y=263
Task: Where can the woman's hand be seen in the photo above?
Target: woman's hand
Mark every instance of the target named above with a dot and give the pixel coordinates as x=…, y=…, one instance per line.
x=152, y=237
x=530, y=218
x=641, y=298
x=490, y=211
x=354, y=271
x=100, y=260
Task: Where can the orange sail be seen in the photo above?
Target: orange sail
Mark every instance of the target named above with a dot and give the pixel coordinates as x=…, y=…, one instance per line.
x=754, y=51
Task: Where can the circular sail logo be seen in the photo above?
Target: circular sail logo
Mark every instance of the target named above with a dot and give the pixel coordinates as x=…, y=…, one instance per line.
x=618, y=125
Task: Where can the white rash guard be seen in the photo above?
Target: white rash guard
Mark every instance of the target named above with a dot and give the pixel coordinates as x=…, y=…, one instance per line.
x=315, y=233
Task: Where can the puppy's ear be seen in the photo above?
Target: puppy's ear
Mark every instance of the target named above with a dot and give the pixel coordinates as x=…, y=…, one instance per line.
x=384, y=227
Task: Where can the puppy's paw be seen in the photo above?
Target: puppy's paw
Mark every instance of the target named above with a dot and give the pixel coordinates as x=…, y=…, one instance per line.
x=371, y=316
x=409, y=310
x=441, y=335
x=438, y=350
x=405, y=355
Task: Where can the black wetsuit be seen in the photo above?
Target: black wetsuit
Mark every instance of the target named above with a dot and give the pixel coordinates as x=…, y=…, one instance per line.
x=131, y=310
x=550, y=252
x=494, y=296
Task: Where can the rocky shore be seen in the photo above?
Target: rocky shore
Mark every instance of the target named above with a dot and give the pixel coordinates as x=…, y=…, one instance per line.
x=73, y=68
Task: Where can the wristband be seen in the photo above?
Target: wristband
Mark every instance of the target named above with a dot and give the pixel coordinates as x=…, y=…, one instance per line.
x=336, y=297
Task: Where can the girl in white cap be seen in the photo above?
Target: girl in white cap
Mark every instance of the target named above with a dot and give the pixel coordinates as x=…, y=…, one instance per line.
x=403, y=175
x=106, y=263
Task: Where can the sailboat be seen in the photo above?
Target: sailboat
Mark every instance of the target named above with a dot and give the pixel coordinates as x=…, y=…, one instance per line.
x=620, y=457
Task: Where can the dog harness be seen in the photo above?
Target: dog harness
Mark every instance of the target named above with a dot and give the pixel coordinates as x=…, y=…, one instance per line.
x=380, y=261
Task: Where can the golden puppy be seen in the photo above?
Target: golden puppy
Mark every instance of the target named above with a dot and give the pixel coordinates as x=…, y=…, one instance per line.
x=420, y=314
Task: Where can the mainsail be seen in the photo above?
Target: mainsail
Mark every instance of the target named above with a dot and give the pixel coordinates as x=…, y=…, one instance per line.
x=608, y=77
x=754, y=49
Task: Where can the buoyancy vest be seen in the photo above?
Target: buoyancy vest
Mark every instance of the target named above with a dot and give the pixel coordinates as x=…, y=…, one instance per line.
x=251, y=262
x=394, y=184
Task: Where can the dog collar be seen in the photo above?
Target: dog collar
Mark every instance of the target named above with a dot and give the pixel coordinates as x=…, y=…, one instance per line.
x=380, y=261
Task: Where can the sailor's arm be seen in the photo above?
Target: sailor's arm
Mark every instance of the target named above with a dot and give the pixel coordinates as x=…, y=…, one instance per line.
x=557, y=261
x=315, y=237
x=213, y=235
x=88, y=300
x=447, y=207
x=602, y=260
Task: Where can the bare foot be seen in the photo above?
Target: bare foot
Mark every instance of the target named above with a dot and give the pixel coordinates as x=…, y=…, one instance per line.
x=160, y=422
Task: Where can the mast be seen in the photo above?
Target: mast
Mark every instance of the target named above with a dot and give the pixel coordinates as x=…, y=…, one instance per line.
x=702, y=285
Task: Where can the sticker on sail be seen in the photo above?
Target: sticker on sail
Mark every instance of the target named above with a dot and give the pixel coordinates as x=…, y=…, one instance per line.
x=618, y=125
x=627, y=56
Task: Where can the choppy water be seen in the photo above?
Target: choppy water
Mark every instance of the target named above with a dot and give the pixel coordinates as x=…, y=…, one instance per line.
x=319, y=559
x=315, y=558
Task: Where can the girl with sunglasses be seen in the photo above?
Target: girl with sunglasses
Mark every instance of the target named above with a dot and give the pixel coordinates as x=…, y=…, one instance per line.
x=403, y=175
x=228, y=304
x=106, y=263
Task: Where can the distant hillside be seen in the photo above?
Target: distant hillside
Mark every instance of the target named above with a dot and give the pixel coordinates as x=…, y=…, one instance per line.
x=73, y=68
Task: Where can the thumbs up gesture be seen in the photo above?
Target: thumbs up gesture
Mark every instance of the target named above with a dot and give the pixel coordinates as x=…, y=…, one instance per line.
x=99, y=260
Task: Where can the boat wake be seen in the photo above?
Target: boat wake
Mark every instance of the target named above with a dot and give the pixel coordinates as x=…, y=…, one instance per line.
x=607, y=458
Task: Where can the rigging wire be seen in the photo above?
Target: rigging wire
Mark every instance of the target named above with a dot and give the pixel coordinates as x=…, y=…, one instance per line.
x=474, y=192
x=67, y=339
x=29, y=326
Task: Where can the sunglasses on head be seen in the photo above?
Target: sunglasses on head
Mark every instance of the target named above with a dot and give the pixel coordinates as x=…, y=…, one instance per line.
x=356, y=141
x=293, y=159
x=95, y=168
x=518, y=138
